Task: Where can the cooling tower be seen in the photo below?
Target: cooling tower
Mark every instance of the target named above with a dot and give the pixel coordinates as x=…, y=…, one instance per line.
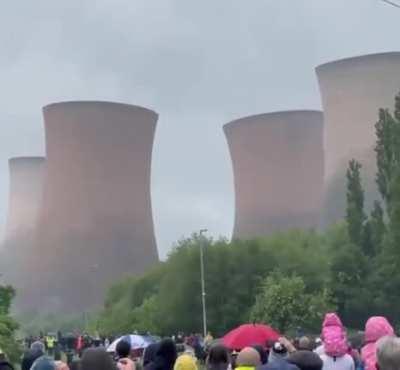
x=352, y=91
x=25, y=198
x=278, y=171
x=96, y=223
x=25, y=195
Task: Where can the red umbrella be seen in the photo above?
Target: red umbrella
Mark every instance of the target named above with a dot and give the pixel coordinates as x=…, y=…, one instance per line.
x=249, y=335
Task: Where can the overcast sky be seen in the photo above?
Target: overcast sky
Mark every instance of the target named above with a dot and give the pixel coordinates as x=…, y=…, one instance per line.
x=198, y=63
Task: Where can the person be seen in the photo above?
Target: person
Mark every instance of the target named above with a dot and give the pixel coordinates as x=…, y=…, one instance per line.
x=50, y=344
x=304, y=344
x=150, y=353
x=96, y=359
x=60, y=365
x=262, y=352
x=334, y=338
x=305, y=360
x=375, y=328
x=277, y=358
x=185, y=362
x=388, y=353
x=165, y=356
x=75, y=365
x=247, y=359
x=334, y=355
x=123, y=350
x=4, y=364
x=43, y=363
x=218, y=358
x=29, y=357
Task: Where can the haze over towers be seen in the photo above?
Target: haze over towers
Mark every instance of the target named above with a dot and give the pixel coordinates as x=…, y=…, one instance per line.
x=93, y=221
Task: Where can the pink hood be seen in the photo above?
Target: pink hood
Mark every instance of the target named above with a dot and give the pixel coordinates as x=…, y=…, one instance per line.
x=375, y=328
x=331, y=319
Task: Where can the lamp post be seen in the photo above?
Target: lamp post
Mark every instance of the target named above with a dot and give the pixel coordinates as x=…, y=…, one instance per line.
x=203, y=285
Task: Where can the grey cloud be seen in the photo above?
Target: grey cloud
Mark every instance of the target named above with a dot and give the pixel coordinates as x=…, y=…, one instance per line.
x=197, y=63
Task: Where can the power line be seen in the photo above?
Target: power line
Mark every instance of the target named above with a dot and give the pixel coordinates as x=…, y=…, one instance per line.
x=391, y=3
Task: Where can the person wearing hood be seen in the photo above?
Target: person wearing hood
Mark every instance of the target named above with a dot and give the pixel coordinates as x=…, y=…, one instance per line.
x=218, y=358
x=375, y=328
x=165, y=356
x=248, y=359
x=334, y=338
x=277, y=359
x=186, y=362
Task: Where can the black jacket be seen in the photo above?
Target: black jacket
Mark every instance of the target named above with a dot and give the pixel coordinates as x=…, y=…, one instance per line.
x=5, y=365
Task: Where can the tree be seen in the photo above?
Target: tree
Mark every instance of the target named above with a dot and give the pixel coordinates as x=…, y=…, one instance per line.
x=8, y=326
x=284, y=304
x=355, y=215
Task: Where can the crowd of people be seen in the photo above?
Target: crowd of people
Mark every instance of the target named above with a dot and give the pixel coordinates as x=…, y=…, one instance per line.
x=380, y=350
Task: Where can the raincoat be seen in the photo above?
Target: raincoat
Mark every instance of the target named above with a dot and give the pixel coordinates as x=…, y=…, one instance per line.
x=375, y=328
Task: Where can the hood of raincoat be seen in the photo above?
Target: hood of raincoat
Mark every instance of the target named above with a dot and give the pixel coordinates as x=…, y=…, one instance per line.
x=376, y=328
x=331, y=319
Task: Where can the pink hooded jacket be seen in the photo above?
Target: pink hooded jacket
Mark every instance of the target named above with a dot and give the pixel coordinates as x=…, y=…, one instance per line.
x=375, y=328
x=334, y=335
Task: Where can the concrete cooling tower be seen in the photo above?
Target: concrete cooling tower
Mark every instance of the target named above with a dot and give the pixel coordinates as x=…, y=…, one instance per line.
x=25, y=198
x=25, y=194
x=352, y=91
x=278, y=171
x=96, y=222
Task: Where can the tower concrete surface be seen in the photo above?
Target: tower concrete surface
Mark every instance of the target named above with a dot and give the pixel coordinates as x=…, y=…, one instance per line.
x=96, y=222
x=25, y=199
x=25, y=195
x=278, y=171
x=352, y=92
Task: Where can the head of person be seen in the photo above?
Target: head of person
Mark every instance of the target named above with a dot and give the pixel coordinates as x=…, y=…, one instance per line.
x=305, y=360
x=185, y=362
x=277, y=352
x=248, y=357
x=123, y=349
x=43, y=363
x=388, y=353
x=150, y=353
x=304, y=344
x=262, y=352
x=29, y=358
x=218, y=358
x=38, y=347
x=97, y=359
x=377, y=327
x=167, y=351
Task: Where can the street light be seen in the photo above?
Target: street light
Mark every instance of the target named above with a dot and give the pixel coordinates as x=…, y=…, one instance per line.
x=203, y=285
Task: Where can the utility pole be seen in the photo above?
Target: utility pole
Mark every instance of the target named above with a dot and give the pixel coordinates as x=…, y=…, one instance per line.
x=203, y=285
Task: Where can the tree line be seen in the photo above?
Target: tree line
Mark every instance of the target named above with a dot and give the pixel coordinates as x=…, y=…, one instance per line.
x=287, y=279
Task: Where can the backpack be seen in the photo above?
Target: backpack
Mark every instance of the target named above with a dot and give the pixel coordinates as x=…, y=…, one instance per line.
x=335, y=342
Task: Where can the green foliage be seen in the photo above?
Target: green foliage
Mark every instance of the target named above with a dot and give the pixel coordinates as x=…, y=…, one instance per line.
x=284, y=304
x=8, y=326
x=355, y=215
x=168, y=299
